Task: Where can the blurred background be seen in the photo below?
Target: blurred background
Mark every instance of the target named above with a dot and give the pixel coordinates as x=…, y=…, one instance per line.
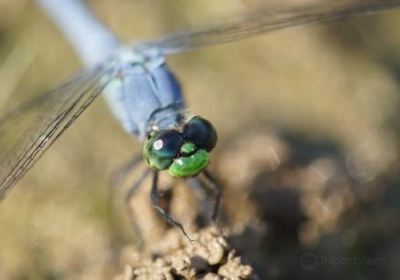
x=307, y=153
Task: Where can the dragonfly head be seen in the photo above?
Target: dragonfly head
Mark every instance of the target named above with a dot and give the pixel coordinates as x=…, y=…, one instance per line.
x=184, y=153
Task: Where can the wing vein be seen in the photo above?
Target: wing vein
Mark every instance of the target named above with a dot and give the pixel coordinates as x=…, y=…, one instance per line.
x=263, y=21
x=57, y=110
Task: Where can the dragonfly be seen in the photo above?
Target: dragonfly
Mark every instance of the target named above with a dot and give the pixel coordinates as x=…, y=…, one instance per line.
x=142, y=92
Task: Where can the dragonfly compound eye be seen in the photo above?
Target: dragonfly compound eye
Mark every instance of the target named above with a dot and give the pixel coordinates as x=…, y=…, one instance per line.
x=200, y=132
x=160, y=148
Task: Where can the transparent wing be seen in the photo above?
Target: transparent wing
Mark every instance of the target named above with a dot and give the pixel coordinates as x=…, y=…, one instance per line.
x=27, y=132
x=262, y=21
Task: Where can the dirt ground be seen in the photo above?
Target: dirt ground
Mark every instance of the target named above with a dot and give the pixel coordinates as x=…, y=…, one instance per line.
x=293, y=212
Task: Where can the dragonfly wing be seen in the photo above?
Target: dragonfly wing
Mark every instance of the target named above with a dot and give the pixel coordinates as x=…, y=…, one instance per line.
x=27, y=132
x=263, y=21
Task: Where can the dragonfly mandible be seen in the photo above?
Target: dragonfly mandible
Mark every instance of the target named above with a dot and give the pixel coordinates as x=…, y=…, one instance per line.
x=141, y=90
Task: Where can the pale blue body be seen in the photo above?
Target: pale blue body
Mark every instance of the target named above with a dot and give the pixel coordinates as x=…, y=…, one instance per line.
x=143, y=92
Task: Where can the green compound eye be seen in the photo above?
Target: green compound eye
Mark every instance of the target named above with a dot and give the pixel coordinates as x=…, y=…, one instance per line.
x=200, y=132
x=190, y=163
x=161, y=148
x=183, y=154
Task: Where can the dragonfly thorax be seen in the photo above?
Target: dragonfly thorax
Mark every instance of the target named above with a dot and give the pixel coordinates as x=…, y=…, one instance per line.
x=143, y=92
x=138, y=58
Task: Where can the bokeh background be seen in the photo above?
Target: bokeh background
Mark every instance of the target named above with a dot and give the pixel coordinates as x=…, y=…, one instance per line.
x=308, y=152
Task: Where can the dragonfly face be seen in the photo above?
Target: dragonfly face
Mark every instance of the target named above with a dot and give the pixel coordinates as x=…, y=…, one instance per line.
x=184, y=153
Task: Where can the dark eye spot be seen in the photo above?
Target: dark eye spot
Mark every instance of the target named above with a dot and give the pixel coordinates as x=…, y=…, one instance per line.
x=168, y=142
x=200, y=132
x=161, y=148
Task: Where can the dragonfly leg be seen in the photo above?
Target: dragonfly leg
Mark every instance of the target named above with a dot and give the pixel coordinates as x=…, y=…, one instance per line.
x=136, y=185
x=120, y=175
x=154, y=203
x=198, y=183
x=131, y=193
x=216, y=193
